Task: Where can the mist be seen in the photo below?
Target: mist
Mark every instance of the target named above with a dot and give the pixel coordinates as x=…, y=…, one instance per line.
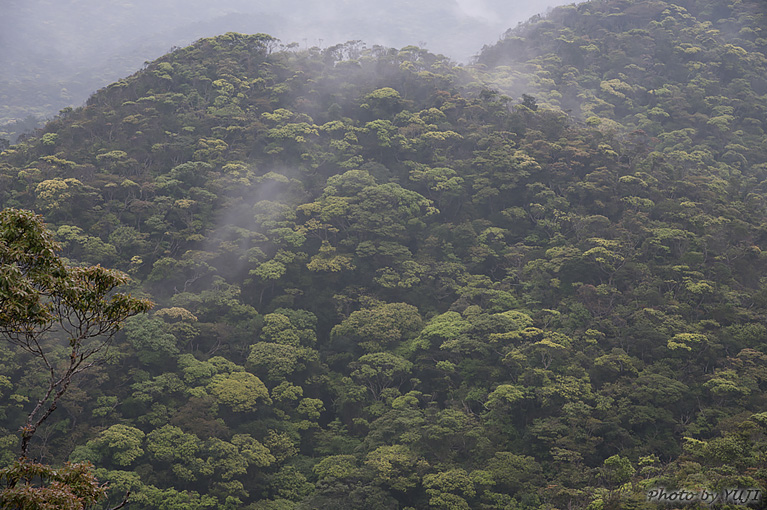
x=55, y=53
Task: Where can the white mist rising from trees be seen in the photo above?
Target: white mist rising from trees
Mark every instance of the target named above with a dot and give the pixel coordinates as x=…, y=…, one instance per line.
x=55, y=53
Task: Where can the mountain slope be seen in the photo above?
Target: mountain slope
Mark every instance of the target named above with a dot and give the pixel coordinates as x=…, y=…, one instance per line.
x=381, y=283
x=55, y=54
x=665, y=68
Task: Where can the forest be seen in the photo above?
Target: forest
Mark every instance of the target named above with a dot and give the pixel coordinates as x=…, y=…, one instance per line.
x=379, y=279
x=57, y=52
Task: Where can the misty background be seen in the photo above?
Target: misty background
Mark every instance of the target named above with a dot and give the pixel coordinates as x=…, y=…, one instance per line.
x=56, y=53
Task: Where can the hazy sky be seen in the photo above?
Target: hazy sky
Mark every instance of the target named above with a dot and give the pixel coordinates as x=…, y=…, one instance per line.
x=86, y=27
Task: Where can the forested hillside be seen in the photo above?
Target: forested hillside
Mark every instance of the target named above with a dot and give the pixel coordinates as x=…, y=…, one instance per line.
x=385, y=281
x=55, y=53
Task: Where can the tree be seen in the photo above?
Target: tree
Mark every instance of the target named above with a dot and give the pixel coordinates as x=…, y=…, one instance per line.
x=239, y=390
x=121, y=443
x=376, y=329
x=71, y=487
x=45, y=303
x=151, y=339
x=396, y=466
x=381, y=370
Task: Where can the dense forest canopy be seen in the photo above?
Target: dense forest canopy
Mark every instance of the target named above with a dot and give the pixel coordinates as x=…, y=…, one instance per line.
x=383, y=280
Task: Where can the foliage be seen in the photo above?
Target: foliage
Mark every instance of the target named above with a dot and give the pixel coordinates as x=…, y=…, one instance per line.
x=386, y=281
x=35, y=486
x=42, y=297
